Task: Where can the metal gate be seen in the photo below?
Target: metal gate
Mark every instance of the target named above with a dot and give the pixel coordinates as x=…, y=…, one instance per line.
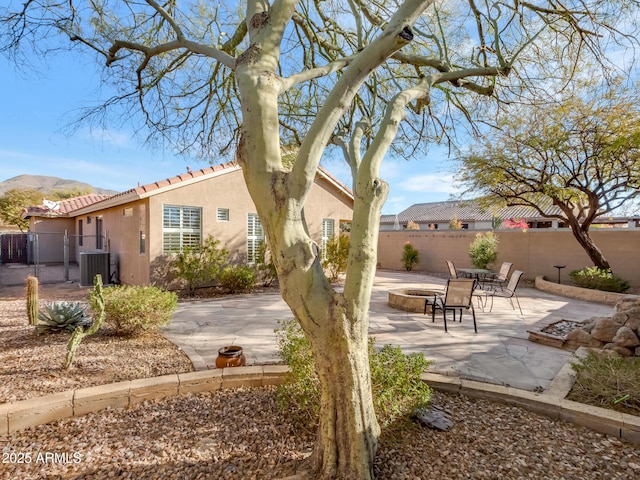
x=13, y=248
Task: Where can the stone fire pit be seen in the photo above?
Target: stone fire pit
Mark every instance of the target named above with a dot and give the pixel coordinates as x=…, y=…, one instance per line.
x=620, y=332
x=411, y=299
x=555, y=334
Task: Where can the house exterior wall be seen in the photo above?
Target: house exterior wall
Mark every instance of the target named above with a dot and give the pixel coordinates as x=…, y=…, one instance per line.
x=50, y=243
x=321, y=204
x=224, y=191
x=124, y=226
x=535, y=252
x=121, y=230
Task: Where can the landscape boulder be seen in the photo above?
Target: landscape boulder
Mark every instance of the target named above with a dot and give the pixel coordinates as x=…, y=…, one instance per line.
x=619, y=332
x=625, y=337
x=605, y=329
x=580, y=337
x=625, y=352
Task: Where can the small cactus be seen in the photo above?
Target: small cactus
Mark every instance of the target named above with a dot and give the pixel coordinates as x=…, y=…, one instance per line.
x=79, y=333
x=32, y=300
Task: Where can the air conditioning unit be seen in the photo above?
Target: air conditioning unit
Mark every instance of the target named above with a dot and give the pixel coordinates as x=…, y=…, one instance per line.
x=91, y=264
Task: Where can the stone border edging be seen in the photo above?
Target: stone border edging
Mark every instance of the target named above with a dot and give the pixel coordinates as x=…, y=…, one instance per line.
x=588, y=294
x=73, y=403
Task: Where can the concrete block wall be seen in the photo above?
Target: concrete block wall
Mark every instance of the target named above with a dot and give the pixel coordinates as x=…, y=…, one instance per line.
x=535, y=251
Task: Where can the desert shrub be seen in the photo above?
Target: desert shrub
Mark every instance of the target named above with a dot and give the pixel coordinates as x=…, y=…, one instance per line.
x=237, y=278
x=397, y=387
x=299, y=395
x=599, y=279
x=410, y=256
x=607, y=380
x=133, y=310
x=484, y=249
x=336, y=255
x=266, y=270
x=62, y=317
x=395, y=377
x=200, y=265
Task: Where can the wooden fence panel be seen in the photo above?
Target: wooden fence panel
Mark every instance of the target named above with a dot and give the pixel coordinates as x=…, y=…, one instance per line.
x=13, y=248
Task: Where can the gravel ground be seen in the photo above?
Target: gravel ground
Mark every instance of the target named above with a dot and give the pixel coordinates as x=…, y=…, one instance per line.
x=33, y=365
x=239, y=434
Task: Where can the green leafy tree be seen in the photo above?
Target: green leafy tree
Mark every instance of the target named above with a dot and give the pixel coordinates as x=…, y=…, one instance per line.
x=14, y=201
x=581, y=155
x=274, y=85
x=69, y=193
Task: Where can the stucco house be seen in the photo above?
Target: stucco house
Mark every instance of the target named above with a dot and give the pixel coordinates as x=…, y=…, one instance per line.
x=141, y=226
x=438, y=216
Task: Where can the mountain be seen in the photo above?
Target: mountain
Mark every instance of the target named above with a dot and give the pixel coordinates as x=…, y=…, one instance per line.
x=46, y=184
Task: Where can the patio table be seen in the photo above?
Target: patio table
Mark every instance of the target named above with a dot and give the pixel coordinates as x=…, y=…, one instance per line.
x=480, y=274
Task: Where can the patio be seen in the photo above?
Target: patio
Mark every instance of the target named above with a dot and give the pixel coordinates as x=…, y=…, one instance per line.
x=499, y=353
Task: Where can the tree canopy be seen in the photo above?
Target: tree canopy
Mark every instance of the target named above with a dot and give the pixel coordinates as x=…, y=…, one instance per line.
x=581, y=154
x=14, y=201
x=274, y=83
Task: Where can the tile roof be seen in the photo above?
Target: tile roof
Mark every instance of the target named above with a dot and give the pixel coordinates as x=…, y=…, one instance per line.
x=189, y=175
x=155, y=187
x=64, y=207
x=467, y=210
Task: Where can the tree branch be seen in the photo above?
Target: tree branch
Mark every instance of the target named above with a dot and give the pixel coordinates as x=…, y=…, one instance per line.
x=389, y=41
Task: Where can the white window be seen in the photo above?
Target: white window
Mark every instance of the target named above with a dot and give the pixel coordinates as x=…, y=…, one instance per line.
x=181, y=227
x=328, y=230
x=222, y=214
x=255, y=236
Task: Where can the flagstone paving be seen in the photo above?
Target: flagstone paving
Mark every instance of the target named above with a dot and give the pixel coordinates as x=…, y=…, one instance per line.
x=499, y=353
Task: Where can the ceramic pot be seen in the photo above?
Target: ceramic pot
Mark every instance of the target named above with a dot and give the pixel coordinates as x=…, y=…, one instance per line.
x=230, y=356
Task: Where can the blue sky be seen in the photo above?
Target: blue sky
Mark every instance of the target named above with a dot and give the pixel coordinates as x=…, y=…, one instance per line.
x=37, y=106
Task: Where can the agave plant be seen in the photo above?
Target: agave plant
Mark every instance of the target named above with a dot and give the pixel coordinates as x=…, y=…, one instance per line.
x=63, y=316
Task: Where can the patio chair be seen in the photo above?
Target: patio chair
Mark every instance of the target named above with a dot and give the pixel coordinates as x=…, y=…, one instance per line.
x=453, y=273
x=500, y=279
x=509, y=291
x=458, y=296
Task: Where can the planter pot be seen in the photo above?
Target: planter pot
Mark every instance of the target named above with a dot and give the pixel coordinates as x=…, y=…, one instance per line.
x=230, y=356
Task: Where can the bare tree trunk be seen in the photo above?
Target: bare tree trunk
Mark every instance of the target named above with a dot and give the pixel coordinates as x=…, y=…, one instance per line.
x=347, y=439
x=582, y=236
x=336, y=324
x=337, y=330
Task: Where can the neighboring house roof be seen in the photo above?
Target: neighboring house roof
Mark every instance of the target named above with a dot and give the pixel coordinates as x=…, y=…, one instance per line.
x=144, y=191
x=470, y=211
x=62, y=208
x=467, y=210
